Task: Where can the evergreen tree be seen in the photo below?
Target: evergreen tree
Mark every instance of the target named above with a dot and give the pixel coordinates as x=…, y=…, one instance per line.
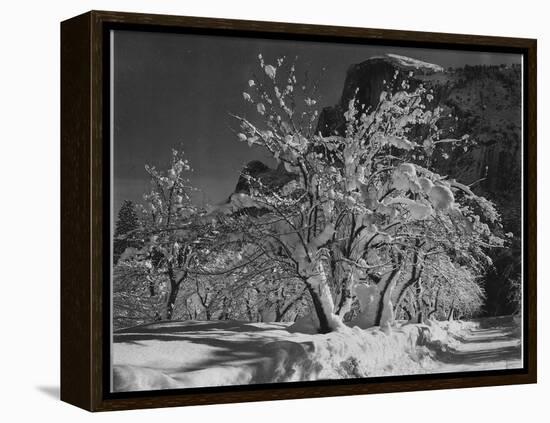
x=127, y=222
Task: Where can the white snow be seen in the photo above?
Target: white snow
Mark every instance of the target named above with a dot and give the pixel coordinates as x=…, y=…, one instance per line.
x=415, y=63
x=261, y=108
x=441, y=197
x=215, y=353
x=418, y=210
x=270, y=71
x=368, y=296
x=399, y=142
x=426, y=184
x=403, y=175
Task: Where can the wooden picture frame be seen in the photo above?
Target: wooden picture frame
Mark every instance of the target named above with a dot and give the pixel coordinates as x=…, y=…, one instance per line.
x=85, y=212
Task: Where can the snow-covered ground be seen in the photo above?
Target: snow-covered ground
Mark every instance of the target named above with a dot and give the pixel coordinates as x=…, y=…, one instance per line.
x=214, y=353
x=490, y=344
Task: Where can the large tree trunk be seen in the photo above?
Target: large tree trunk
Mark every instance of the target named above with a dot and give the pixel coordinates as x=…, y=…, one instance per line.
x=318, y=288
x=152, y=291
x=249, y=311
x=223, y=314
x=320, y=311
x=451, y=313
x=419, y=291
x=344, y=303
x=375, y=300
x=343, y=276
x=174, y=289
x=435, y=303
x=416, y=273
x=385, y=312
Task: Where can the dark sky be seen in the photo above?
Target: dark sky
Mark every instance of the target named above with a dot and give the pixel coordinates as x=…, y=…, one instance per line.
x=176, y=89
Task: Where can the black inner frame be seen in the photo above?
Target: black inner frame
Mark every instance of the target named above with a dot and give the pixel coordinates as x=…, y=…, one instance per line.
x=107, y=218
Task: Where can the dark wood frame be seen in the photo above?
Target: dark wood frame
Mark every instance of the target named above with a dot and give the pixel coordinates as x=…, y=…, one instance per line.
x=83, y=217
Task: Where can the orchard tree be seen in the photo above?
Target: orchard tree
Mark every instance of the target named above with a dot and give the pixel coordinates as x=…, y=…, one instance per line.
x=361, y=204
x=174, y=233
x=135, y=294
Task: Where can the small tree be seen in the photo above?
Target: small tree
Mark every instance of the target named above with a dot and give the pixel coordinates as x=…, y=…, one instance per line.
x=136, y=298
x=174, y=231
x=127, y=222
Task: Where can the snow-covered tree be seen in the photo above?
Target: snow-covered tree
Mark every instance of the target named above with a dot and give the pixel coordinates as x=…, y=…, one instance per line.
x=361, y=228
x=173, y=233
x=136, y=294
x=361, y=205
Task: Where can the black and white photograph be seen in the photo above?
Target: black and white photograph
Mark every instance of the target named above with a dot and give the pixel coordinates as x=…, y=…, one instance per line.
x=278, y=211
x=294, y=211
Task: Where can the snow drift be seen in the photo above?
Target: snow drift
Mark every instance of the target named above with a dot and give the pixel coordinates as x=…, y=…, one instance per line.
x=198, y=354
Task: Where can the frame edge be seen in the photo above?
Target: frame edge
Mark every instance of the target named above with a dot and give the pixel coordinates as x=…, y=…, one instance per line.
x=76, y=326
x=81, y=189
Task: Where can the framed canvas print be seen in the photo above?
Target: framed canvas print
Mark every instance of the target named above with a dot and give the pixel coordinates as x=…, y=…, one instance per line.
x=257, y=210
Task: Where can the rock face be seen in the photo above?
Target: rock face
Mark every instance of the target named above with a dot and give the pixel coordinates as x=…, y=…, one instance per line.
x=365, y=81
x=274, y=178
x=485, y=99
